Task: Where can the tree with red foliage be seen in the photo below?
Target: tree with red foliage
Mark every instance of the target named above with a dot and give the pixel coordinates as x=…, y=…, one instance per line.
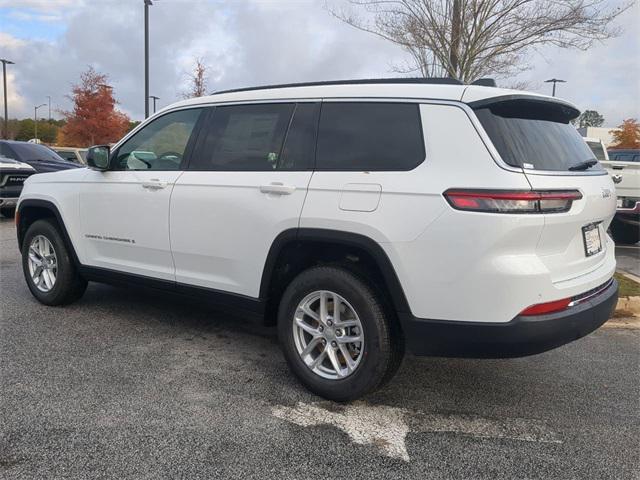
x=94, y=119
x=627, y=135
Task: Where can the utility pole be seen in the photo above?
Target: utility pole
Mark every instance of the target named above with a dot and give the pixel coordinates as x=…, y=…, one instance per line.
x=5, y=62
x=49, y=97
x=35, y=119
x=154, y=102
x=554, y=81
x=146, y=57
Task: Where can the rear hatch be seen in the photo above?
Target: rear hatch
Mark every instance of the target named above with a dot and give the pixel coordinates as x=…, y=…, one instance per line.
x=534, y=134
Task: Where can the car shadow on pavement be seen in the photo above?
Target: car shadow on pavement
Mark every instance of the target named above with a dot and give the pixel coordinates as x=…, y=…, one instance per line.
x=486, y=387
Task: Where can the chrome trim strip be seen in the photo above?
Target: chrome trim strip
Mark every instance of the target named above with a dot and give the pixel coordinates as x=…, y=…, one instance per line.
x=578, y=301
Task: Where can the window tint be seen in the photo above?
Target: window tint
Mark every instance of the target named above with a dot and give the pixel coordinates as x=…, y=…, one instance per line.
x=243, y=138
x=6, y=152
x=160, y=145
x=35, y=151
x=533, y=135
x=369, y=136
x=300, y=145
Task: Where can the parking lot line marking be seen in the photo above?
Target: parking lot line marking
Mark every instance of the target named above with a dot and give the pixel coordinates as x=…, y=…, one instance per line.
x=386, y=427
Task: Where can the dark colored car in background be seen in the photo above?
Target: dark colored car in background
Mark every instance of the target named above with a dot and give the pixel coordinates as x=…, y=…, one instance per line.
x=12, y=177
x=40, y=157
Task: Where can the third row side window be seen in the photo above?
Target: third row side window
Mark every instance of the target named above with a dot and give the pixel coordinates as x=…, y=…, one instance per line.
x=369, y=136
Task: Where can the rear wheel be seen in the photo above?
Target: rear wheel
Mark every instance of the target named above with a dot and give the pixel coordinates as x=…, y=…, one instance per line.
x=625, y=233
x=8, y=212
x=335, y=334
x=48, y=267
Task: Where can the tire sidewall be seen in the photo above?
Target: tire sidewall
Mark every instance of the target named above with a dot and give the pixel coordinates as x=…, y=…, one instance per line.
x=64, y=263
x=354, y=291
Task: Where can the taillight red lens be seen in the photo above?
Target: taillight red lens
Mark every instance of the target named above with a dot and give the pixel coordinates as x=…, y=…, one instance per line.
x=512, y=201
x=549, y=307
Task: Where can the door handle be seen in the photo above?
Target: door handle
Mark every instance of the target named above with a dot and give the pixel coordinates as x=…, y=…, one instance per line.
x=618, y=167
x=278, y=188
x=154, y=185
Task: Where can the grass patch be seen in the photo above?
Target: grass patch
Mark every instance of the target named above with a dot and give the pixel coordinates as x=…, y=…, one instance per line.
x=628, y=288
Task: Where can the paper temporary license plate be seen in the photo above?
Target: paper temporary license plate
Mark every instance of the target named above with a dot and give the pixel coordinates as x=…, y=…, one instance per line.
x=591, y=236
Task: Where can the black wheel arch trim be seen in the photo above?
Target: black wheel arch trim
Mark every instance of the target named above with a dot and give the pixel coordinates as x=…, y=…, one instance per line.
x=47, y=205
x=322, y=235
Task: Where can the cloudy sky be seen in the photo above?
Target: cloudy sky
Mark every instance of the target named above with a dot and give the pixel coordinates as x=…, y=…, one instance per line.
x=254, y=42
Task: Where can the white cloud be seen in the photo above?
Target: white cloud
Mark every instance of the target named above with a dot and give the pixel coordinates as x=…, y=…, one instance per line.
x=256, y=42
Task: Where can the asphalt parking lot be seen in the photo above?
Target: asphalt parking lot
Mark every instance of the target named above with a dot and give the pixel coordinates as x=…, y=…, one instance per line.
x=134, y=384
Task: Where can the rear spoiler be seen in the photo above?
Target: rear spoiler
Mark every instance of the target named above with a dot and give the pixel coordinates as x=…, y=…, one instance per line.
x=529, y=105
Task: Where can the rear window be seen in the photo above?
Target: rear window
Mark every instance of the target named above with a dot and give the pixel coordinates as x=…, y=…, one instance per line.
x=535, y=135
x=369, y=136
x=598, y=151
x=624, y=156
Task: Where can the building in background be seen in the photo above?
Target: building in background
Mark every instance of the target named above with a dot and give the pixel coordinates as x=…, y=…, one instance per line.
x=602, y=133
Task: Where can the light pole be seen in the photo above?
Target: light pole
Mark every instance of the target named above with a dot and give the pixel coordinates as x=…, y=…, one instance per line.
x=35, y=119
x=4, y=81
x=554, y=81
x=154, y=102
x=146, y=57
x=49, y=97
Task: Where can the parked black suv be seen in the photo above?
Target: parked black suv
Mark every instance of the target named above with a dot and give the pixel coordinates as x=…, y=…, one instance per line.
x=40, y=157
x=12, y=177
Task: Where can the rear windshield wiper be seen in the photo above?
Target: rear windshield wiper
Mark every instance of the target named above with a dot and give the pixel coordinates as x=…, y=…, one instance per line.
x=583, y=165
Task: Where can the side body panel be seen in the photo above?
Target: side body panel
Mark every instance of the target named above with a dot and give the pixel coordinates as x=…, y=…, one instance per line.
x=223, y=225
x=124, y=221
x=61, y=190
x=451, y=265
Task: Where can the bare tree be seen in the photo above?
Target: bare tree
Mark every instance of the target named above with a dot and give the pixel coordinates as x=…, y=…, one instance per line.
x=469, y=39
x=197, y=80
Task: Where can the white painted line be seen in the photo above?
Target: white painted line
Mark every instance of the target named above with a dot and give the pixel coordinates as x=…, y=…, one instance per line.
x=386, y=427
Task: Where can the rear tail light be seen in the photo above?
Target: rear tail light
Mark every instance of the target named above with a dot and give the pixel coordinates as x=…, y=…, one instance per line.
x=549, y=307
x=512, y=201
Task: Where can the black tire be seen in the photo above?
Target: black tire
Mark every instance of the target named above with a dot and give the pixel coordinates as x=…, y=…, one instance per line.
x=69, y=286
x=625, y=233
x=383, y=347
x=8, y=212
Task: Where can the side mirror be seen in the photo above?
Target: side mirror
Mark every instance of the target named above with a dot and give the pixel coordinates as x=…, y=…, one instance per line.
x=98, y=157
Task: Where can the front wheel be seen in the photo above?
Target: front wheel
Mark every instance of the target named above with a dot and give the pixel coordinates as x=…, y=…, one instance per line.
x=48, y=267
x=335, y=334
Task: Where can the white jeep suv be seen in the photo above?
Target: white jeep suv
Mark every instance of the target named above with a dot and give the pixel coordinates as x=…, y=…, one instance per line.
x=363, y=217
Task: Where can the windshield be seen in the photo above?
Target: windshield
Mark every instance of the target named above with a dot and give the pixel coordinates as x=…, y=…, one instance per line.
x=535, y=136
x=598, y=151
x=34, y=151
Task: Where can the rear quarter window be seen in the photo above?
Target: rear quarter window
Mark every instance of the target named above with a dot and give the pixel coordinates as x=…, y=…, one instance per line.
x=368, y=136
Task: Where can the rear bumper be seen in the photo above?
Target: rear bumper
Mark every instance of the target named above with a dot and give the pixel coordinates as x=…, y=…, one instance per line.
x=522, y=336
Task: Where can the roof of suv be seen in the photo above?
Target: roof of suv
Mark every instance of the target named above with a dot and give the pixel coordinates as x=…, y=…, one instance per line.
x=434, y=89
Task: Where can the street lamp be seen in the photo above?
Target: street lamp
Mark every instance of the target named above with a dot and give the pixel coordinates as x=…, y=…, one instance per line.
x=154, y=102
x=35, y=119
x=554, y=81
x=4, y=81
x=146, y=57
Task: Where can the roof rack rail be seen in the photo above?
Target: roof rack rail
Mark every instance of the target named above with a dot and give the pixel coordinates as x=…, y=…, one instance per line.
x=434, y=80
